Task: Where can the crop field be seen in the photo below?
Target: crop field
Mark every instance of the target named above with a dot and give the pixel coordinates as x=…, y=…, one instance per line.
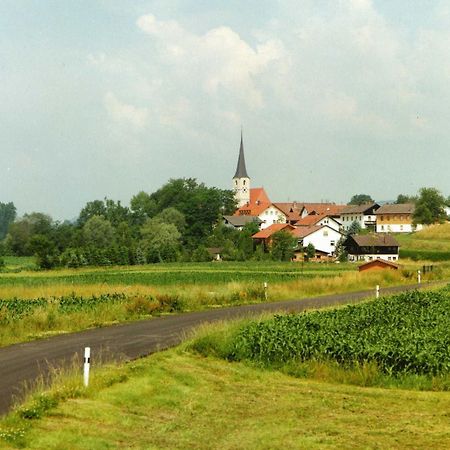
x=188, y=273
x=407, y=333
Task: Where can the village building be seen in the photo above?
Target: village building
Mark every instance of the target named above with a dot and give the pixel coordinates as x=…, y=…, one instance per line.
x=241, y=180
x=364, y=215
x=396, y=218
x=324, y=238
x=368, y=247
x=378, y=264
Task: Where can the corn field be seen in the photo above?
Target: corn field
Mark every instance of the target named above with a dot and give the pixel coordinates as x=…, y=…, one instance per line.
x=407, y=333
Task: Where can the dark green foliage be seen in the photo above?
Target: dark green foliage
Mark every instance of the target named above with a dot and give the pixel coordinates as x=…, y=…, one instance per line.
x=360, y=199
x=429, y=207
x=354, y=228
x=401, y=198
x=407, y=333
x=7, y=217
x=310, y=251
x=283, y=246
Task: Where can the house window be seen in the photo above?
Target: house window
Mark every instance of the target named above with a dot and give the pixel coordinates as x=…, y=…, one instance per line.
x=325, y=232
x=244, y=182
x=394, y=258
x=382, y=227
x=332, y=243
x=401, y=227
x=389, y=258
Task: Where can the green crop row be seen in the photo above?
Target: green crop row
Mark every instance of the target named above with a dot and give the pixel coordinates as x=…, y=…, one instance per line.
x=407, y=333
x=15, y=309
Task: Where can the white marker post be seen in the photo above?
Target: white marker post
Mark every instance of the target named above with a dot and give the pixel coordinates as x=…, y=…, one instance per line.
x=377, y=291
x=87, y=363
x=265, y=290
x=418, y=276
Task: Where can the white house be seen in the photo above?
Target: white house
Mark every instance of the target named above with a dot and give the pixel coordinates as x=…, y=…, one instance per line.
x=324, y=237
x=363, y=214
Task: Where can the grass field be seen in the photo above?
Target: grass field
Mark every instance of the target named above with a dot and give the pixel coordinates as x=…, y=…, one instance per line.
x=176, y=400
x=431, y=243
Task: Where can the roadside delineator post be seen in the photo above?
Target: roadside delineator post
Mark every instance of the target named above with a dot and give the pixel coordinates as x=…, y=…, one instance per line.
x=418, y=276
x=87, y=363
x=265, y=290
x=377, y=291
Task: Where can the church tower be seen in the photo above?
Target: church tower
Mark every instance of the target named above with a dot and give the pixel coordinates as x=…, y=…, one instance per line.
x=241, y=180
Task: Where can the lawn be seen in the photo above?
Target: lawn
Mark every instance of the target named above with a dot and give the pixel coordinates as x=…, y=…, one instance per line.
x=176, y=400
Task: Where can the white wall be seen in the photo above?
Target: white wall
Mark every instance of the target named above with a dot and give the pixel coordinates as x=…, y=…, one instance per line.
x=368, y=258
x=397, y=228
x=270, y=216
x=324, y=239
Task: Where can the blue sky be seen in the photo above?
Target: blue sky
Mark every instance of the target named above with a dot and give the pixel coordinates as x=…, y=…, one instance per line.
x=107, y=98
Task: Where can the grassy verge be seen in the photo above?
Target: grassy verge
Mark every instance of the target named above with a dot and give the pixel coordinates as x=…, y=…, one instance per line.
x=178, y=401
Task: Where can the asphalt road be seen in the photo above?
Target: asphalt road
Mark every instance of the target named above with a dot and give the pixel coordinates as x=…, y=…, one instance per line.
x=22, y=364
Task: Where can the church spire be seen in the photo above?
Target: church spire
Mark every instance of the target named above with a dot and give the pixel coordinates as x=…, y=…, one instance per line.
x=241, y=171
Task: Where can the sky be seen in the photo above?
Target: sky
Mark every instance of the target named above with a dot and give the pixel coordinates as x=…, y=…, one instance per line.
x=106, y=98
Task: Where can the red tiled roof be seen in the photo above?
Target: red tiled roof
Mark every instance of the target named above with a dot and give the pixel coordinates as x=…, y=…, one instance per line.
x=259, y=201
x=309, y=220
x=269, y=231
x=301, y=232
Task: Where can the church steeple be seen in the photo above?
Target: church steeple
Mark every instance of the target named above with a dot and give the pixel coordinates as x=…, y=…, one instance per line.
x=241, y=171
x=241, y=180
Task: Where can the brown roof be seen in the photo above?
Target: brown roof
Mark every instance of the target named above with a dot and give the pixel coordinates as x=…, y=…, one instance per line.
x=240, y=221
x=377, y=262
x=375, y=240
x=396, y=208
x=274, y=228
x=358, y=209
x=293, y=210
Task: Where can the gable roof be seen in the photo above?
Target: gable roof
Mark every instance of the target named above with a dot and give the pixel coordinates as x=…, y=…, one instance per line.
x=396, y=208
x=379, y=261
x=272, y=229
x=241, y=171
x=375, y=240
x=359, y=209
x=259, y=202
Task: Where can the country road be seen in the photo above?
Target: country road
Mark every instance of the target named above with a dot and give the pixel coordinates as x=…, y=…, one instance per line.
x=24, y=363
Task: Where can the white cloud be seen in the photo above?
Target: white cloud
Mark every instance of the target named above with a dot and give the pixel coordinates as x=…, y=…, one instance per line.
x=125, y=113
x=219, y=61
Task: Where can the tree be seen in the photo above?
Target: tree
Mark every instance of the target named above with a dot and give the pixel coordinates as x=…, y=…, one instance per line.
x=354, y=228
x=45, y=251
x=143, y=207
x=7, y=216
x=283, y=246
x=21, y=231
x=341, y=252
x=360, y=199
x=98, y=232
x=402, y=198
x=310, y=251
x=429, y=207
x=173, y=216
x=200, y=205
x=161, y=241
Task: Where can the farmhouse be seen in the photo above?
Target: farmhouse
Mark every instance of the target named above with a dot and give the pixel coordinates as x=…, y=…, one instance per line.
x=372, y=246
x=364, y=215
x=324, y=238
x=396, y=218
